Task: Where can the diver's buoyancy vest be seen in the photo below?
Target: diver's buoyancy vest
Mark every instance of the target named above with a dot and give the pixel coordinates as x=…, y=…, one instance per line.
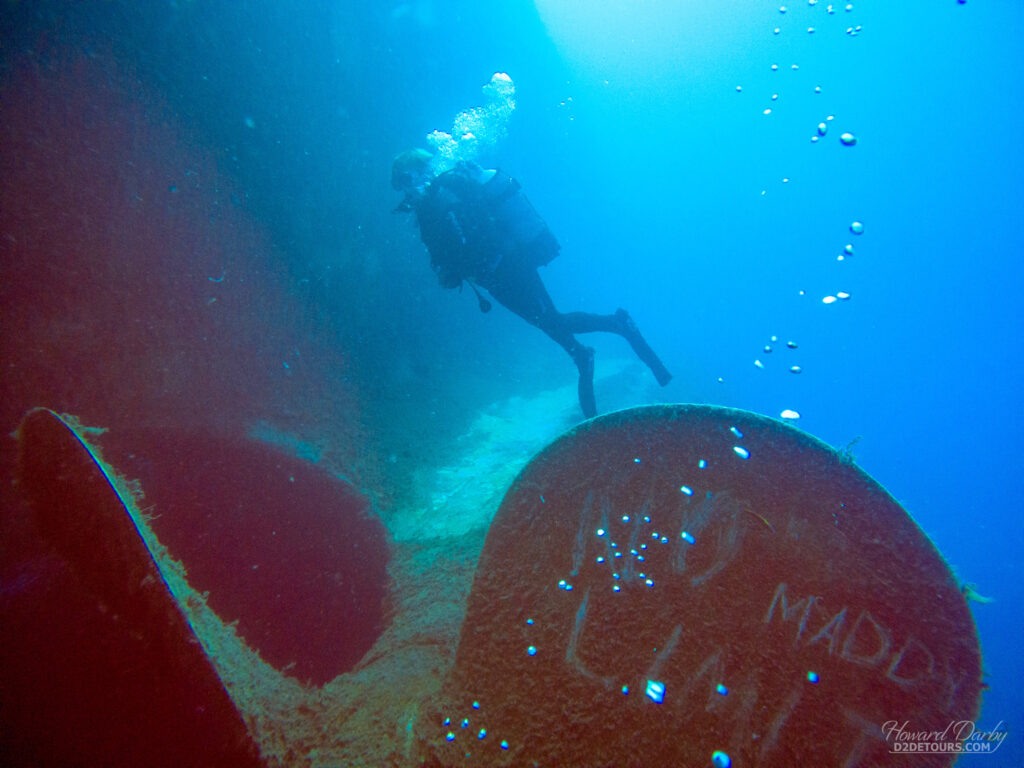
x=519, y=229
x=470, y=227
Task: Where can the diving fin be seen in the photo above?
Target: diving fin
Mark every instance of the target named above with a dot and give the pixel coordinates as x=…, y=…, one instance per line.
x=629, y=331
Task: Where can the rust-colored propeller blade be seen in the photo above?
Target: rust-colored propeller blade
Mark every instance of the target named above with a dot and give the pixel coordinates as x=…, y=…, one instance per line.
x=689, y=585
x=105, y=670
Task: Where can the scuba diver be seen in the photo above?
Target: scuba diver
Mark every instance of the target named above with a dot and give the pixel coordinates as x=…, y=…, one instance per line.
x=481, y=230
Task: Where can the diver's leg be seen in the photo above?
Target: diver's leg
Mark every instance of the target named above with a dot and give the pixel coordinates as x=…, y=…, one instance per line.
x=622, y=324
x=523, y=292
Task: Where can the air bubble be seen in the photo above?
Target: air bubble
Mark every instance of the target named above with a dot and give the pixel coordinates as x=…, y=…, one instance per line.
x=828, y=300
x=857, y=228
x=848, y=139
x=702, y=464
x=789, y=414
x=722, y=690
x=482, y=733
x=600, y=531
x=720, y=759
x=688, y=538
x=822, y=129
x=843, y=295
x=655, y=691
x=791, y=344
x=450, y=736
x=796, y=369
x=812, y=677
x=735, y=431
x=531, y=650
x=742, y=452
x=848, y=249
x=686, y=489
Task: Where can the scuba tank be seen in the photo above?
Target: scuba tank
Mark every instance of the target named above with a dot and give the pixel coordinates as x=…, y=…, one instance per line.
x=471, y=225
x=517, y=227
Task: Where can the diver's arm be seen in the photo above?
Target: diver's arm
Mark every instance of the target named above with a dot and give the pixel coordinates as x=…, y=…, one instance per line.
x=442, y=234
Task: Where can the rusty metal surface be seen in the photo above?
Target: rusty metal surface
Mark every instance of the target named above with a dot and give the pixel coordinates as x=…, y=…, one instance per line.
x=108, y=670
x=674, y=584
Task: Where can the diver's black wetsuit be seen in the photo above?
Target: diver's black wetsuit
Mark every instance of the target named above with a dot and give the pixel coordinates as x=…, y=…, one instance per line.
x=484, y=231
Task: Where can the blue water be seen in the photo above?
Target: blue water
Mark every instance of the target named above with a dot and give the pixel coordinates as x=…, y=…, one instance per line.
x=640, y=133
